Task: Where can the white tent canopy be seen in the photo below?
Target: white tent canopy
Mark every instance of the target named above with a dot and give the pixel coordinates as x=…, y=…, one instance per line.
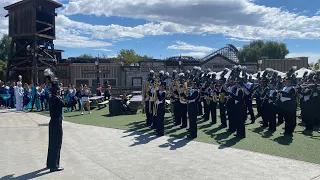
x=228, y=74
x=279, y=73
x=299, y=73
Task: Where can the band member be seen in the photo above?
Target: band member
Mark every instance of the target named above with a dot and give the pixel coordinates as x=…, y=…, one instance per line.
x=182, y=108
x=248, y=91
x=55, y=126
x=230, y=106
x=193, y=98
x=151, y=105
x=264, y=103
x=213, y=93
x=239, y=109
x=272, y=108
x=161, y=95
x=222, y=107
x=288, y=103
x=176, y=106
x=147, y=95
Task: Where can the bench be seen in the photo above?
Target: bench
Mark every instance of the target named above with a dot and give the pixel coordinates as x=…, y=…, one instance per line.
x=103, y=104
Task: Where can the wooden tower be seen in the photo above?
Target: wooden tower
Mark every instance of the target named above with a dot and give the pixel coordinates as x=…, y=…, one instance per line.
x=32, y=29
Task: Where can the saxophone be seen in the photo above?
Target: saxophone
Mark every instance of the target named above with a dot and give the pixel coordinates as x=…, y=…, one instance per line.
x=155, y=98
x=222, y=97
x=207, y=97
x=214, y=97
x=184, y=89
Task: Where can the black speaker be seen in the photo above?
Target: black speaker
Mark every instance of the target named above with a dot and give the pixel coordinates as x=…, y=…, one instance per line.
x=115, y=107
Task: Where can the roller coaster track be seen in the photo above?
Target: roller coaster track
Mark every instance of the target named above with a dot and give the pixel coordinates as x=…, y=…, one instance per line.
x=229, y=52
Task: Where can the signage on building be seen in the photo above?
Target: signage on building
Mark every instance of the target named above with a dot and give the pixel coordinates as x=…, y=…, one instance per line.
x=95, y=72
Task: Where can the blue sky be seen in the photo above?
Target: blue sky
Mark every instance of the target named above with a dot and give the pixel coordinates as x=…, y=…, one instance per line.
x=163, y=28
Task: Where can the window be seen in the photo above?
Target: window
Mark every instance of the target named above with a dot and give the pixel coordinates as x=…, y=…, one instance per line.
x=94, y=83
x=112, y=82
x=136, y=81
x=82, y=81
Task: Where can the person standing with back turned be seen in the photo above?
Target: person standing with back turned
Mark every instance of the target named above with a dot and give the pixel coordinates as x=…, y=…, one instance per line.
x=55, y=126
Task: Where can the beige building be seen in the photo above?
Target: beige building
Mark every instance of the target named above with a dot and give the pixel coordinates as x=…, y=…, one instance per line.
x=132, y=76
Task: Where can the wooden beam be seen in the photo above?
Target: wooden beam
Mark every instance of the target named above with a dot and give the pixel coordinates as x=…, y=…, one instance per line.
x=47, y=59
x=44, y=30
x=22, y=62
x=45, y=36
x=46, y=64
x=41, y=22
x=21, y=58
x=43, y=50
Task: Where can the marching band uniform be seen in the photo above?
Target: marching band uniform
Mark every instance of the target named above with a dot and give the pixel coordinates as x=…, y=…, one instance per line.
x=272, y=109
x=264, y=105
x=161, y=94
x=288, y=104
x=231, y=108
x=239, y=110
x=213, y=93
x=248, y=90
x=307, y=113
x=151, y=108
x=146, y=103
x=176, y=107
x=222, y=107
x=193, y=100
x=56, y=105
x=183, y=109
x=205, y=103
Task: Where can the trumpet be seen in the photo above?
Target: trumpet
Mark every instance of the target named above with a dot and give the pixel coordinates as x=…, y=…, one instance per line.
x=181, y=99
x=214, y=97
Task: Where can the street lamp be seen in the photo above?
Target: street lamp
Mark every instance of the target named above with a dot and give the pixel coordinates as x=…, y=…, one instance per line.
x=259, y=64
x=98, y=72
x=180, y=62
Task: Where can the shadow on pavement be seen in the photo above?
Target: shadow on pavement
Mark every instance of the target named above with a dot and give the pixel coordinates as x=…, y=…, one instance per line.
x=174, y=143
x=30, y=175
x=284, y=140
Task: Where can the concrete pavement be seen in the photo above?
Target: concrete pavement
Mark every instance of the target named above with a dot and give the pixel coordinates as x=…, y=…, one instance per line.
x=101, y=153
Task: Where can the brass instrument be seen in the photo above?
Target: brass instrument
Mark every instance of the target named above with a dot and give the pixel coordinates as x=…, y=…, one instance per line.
x=214, y=97
x=185, y=90
x=155, y=98
x=222, y=97
x=207, y=97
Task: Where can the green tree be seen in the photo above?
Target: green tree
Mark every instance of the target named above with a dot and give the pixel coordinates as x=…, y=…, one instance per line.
x=3, y=67
x=86, y=56
x=5, y=42
x=258, y=49
x=130, y=56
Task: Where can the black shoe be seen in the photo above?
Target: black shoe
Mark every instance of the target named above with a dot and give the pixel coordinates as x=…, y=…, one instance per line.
x=57, y=169
x=191, y=137
x=286, y=134
x=213, y=123
x=183, y=127
x=160, y=134
x=264, y=126
x=222, y=126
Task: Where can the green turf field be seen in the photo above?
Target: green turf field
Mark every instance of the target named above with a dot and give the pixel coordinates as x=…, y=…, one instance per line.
x=305, y=147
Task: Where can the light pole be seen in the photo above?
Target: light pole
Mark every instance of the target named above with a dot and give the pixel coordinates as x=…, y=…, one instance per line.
x=259, y=64
x=180, y=63
x=98, y=72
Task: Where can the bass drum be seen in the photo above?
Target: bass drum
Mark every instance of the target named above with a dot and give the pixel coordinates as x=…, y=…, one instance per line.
x=115, y=107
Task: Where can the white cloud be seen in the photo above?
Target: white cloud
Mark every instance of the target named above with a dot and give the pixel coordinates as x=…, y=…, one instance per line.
x=235, y=18
x=318, y=13
x=195, y=54
x=105, y=50
x=180, y=45
x=313, y=57
x=195, y=51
